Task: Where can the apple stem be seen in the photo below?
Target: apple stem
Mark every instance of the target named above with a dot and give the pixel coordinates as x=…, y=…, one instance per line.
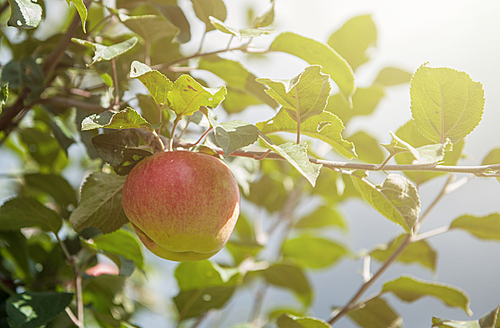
x=157, y=144
x=172, y=134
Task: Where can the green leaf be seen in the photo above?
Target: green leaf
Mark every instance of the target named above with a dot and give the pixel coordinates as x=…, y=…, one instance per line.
x=428, y=154
x=121, y=242
x=82, y=11
x=203, y=285
x=239, y=33
x=131, y=157
x=305, y=95
x=397, y=199
x=295, y=154
x=313, y=252
x=22, y=212
x=326, y=127
x=157, y=84
x=390, y=76
x=268, y=192
x=24, y=14
x=53, y=185
x=334, y=187
x=290, y=277
x=443, y=323
x=233, y=135
x=193, y=303
x=32, y=310
x=149, y=110
x=324, y=216
x=410, y=134
x=485, y=227
x=291, y=321
x=364, y=102
x=203, y=274
x=266, y=18
x=96, y=121
x=125, y=119
x=237, y=77
x=243, y=229
x=100, y=204
x=417, y=252
x=4, y=94
x=15, y=251
x=410, y=289
x=174, y=14
x=354, y=40
x=367, y=147
x=24, y=72
x=317, y=53
x=61, y=133
x=206, y=8
x=187, y=96
x=376, y=314
x=240, y=250
x=151, y=28
x=490, y=320
x=445, y=103
x=237, y=100
x=103, y=52
x=110, y=146
x=493, y=157
x=44, y=149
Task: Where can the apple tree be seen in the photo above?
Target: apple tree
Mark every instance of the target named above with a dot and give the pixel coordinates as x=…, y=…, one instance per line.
x=116, y=86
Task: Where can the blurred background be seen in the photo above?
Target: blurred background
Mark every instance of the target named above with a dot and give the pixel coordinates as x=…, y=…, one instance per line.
x=459, y=34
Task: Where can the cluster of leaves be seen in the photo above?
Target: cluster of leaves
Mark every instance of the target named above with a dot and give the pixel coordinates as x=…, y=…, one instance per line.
x=71, y=86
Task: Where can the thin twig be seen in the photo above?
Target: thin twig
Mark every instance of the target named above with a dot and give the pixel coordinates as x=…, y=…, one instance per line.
x=99, y=23
x=79, y=298
x=78, y=284
x=432, y=233
x=384, y=163
x=257, y=305
x=229, y=43
x=410, y=238
x=352, y=302
x=115, y=84
x=298, y=114
x=71, y=315
x=441, y=194
x=202, y=41
x=196, y=55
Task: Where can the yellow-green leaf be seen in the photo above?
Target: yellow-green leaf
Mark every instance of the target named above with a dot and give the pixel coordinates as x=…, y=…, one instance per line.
x=354, y=39
x=445, y=103
x=187, y=96
x=396, y=198
x=325, y=126
x=318, y=53
x=376, y=314
x=410, y=289
x=485, y=227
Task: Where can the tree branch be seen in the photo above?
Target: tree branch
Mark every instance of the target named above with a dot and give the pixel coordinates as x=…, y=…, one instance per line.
x=478, y=170
x=243, y=48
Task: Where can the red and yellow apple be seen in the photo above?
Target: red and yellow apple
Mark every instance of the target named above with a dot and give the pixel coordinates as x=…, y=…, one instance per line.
x=183, y=205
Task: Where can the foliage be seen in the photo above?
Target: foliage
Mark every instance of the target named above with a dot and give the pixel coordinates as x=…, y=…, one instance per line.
x=116, y=83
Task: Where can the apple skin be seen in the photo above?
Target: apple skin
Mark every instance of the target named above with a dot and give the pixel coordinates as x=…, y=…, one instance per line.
x=182, y=205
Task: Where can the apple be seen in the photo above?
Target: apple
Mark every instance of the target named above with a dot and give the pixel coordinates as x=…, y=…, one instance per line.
x=183, y=205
